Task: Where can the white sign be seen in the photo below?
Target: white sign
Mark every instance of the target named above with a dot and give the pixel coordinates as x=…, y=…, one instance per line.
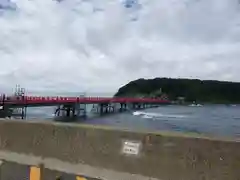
x=131, y=148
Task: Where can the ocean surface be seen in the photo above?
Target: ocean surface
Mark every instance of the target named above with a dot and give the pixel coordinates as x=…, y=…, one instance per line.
x=214, y=120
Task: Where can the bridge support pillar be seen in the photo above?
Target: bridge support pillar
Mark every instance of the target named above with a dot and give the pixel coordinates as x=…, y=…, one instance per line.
x=111, y=108
x=144, y=106
x=104, y=108
x=71, y=110
x=123, y=107
x=80, y=110
x=139, y=106
x=20, y=112
x=133, y=106
x=136, y=106
x=95, y=109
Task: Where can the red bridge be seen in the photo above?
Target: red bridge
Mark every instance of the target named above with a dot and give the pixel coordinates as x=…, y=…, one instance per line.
x=71, y=106
x=44, y=101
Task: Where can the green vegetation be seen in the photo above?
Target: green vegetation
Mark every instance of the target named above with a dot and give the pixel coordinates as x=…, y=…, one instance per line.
x=202, y=91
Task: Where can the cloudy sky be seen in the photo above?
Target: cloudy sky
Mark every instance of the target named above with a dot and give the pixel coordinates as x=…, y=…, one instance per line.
x=92, y=45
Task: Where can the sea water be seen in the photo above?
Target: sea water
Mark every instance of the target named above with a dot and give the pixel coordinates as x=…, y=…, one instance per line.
x=220, y=120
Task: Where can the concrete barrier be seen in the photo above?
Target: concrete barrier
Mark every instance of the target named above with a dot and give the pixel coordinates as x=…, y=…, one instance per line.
x=16, y=171
x=114, y=154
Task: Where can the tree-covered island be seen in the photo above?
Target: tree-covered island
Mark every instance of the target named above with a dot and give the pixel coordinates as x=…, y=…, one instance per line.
x=201, y=91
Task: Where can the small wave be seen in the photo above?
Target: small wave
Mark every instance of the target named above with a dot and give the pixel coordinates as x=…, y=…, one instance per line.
x=195, y=105
x=137, y=113
x=174, y=116
x=149, y=115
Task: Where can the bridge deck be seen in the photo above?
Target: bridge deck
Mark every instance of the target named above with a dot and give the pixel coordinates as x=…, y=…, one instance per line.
x=45, y=101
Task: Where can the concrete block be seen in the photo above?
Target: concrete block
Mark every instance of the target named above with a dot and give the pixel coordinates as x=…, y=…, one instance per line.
x=105, y=152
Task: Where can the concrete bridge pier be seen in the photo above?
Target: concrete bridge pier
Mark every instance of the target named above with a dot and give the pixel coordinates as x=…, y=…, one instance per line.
x=123, y=107
x=20, y=112
x=95, y=108
x=104, y=108
x=133, y=106
x=57, y=110
x=5, y=111
x=137, y=105
x=81, y=110
x=71, y=110
x=144, y=105
x=66, y=110
x=11, y=111
x=111, y=108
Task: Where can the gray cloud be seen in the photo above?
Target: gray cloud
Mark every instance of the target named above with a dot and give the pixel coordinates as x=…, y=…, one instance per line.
x=96, y=46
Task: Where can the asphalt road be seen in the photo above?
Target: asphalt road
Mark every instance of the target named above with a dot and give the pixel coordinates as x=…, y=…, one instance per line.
x=14, y=171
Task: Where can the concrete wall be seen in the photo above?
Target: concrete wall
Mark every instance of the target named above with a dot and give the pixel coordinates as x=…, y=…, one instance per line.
x=99, y=151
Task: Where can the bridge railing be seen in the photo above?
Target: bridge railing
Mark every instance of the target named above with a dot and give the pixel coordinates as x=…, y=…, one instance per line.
x=59, y=99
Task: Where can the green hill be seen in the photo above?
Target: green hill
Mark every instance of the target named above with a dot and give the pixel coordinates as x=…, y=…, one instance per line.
x=208, y=91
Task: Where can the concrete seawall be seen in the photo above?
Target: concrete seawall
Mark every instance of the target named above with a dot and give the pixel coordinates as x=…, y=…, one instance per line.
x=114, y=154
